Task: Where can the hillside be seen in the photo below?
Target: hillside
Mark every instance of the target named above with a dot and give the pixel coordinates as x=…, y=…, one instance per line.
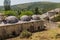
x=41, y=5
x=32, y=5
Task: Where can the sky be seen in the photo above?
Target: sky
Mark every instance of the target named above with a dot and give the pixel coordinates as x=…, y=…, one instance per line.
x=14, y=2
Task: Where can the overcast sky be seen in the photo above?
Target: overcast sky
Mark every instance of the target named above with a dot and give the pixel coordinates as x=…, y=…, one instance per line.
x=13, y=2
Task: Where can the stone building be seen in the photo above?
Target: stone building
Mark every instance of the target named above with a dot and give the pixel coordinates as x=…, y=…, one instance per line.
x=9, y=30
x=50, y=13
x=53, y=12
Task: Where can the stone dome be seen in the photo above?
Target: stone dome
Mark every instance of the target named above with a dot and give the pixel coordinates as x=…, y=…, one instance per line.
x=11, y=19
x=35, y=17
x=25, y=18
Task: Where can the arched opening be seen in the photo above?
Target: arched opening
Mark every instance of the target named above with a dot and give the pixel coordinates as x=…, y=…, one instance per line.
x=39, y=28
x=56, y=12
x=14, y=33
x=21, y=28
x=31, y=28
x=27, y=29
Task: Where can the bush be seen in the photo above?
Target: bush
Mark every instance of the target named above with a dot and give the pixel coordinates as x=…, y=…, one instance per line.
x=25, y=34
x=10, y=13
x=29, y=13
x=58, y=36
x=56, y=19
x=59, y=26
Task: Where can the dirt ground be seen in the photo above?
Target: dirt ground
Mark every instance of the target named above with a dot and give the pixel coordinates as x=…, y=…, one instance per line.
x=44, y=35
x=49, y=34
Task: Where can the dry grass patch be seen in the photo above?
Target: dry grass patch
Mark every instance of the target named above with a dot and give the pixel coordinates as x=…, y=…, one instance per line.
x=44, y=35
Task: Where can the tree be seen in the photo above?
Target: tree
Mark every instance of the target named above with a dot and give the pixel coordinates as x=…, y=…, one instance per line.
x=36, y=11
x=7, y=5
x=18, y=12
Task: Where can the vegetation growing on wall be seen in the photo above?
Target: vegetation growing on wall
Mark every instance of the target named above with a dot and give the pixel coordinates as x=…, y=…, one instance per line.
x=56, y=19
x=25, y=34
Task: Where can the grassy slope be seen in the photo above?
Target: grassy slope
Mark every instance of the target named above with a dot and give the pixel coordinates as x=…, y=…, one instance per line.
x=38, y=4
x=32, y=5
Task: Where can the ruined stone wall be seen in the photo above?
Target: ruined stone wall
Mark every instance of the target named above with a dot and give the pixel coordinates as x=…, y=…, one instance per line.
x=8, y=30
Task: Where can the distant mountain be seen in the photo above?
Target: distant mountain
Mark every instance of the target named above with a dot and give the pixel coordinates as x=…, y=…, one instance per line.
x=32, y=5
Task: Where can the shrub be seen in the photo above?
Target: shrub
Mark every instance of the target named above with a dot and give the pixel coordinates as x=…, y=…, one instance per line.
x=36, y=11
x=59, y=26
x=10, y=13
x=58, y=36
x=29, y=13
x=25, y=34
x=56, y=19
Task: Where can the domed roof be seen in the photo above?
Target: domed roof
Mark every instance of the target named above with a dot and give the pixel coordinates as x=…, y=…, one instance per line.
x=11, y=19
x=35, y=17
x=25, y=18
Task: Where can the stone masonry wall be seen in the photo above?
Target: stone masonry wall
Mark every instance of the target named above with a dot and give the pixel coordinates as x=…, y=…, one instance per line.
x=8, y=30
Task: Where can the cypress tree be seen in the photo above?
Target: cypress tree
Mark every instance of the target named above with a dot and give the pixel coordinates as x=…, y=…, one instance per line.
x=7, y=5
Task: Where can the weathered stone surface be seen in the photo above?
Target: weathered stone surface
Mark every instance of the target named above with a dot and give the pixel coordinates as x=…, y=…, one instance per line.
x=35, y=17
x=11, y=19
x=25, y=18
x=15, y=29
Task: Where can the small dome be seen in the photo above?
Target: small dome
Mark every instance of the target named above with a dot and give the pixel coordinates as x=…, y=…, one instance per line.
x=25, y=18
x=35, y=17
x=11, y=19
